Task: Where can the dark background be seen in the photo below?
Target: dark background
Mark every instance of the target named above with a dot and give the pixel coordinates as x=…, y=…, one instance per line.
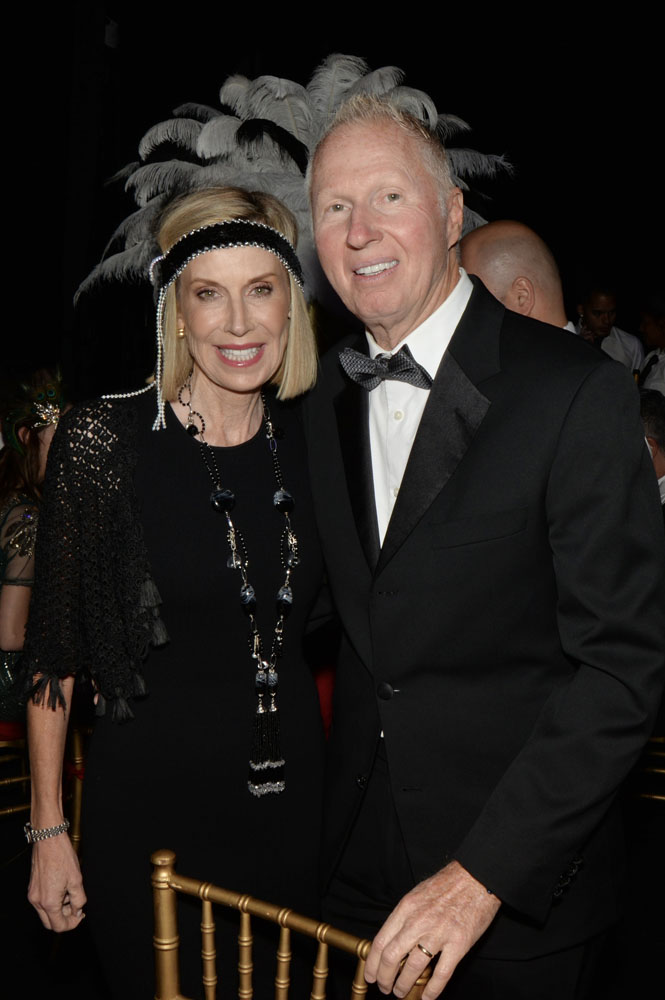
x=574, y=102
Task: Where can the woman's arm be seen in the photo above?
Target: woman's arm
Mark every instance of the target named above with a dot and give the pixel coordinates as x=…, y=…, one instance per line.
x=14, y=604
x=56, y=887
x=17, y=542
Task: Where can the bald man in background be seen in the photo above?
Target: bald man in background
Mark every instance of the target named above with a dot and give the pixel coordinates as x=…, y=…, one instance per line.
x=518, y=268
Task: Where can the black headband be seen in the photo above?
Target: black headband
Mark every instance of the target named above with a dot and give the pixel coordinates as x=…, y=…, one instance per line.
x=219, y=236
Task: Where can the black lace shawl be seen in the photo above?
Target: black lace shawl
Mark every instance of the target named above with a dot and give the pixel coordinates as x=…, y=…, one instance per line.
x=94, y=604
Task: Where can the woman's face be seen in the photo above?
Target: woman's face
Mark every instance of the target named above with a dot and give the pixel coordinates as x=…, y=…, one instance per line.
x=234, y=305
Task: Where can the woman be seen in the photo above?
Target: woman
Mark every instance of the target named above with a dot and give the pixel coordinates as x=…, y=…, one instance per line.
x=30, y=413
x=221, y=761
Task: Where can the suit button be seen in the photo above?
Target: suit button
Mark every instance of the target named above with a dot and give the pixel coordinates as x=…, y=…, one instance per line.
x=385, y=691
x=361, y=780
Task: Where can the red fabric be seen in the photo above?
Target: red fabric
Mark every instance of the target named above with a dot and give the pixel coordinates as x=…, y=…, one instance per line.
x=325, y=682
x=12, y=731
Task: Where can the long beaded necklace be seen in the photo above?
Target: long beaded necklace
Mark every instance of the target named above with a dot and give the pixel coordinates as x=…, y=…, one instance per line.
x=266, y=764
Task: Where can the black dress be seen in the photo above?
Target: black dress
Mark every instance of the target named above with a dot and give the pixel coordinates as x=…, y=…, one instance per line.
x=176, y=775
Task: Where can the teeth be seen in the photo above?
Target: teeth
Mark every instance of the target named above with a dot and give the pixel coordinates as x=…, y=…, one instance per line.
x=376, y=268
x=239, y=353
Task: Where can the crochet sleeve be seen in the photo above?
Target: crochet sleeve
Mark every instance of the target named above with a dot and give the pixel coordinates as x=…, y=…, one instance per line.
x=94, y=605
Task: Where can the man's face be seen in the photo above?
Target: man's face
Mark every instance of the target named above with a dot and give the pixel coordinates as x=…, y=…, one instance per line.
x=598, y=314
x=382, y=236
x=653, y=330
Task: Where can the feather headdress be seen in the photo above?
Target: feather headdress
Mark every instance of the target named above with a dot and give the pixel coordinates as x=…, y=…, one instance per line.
x=261, y=138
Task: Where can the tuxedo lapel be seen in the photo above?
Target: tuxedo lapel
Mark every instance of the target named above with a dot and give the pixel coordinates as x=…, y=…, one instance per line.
x=351, y=410
x=454, y=412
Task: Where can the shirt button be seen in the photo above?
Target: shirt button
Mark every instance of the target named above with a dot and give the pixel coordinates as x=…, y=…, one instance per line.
x=398, y=414
x=395, y=490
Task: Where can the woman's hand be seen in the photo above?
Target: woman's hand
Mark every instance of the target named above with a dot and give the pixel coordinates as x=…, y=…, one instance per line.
x=56, y=886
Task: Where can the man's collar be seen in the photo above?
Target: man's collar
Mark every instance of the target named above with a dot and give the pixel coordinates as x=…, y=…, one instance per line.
x=429, y=341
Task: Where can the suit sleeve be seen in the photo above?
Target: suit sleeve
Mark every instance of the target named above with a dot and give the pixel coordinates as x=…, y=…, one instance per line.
x=608, y=551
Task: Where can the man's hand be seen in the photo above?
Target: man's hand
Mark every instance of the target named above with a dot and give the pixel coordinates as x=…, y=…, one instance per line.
x=446, y=913
x=56, y=887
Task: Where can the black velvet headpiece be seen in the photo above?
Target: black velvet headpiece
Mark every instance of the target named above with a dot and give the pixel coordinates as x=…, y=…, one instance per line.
x=221, y=235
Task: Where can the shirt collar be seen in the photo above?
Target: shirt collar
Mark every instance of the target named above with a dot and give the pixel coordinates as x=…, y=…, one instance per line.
x=428, y=342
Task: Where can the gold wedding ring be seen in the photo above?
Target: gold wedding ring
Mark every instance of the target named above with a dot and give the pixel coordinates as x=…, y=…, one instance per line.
x=424, y=950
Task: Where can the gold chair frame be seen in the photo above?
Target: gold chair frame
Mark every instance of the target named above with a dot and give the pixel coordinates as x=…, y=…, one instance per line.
x=15, y=751
x=166, y=883
x=75, y=759
x=651, y=771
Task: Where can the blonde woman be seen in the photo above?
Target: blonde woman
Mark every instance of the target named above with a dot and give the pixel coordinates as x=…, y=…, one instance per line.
x=185, y=509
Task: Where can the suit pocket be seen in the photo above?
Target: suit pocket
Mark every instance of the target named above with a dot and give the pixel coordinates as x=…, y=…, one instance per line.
x=481, y=528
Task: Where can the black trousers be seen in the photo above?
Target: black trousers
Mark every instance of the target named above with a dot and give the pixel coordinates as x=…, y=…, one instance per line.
x=373, y=875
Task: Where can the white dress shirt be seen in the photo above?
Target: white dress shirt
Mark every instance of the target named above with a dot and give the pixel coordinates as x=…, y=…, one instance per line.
x=622, y=347
x=395, y=408
x=656, y=377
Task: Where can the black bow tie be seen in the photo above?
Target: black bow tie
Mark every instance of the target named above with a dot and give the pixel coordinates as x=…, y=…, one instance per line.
x=370, y=372
x=651, y=363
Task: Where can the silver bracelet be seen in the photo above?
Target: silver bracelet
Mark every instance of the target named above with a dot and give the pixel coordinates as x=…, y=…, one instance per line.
x=48, y=831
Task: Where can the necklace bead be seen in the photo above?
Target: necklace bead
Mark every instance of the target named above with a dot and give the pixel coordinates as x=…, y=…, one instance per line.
x=223, y=500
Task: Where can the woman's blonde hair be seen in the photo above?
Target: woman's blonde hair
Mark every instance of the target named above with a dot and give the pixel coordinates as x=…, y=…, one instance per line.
x=297, y=372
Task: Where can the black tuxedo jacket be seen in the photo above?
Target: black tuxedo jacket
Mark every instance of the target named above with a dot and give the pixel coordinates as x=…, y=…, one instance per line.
x=509, y=636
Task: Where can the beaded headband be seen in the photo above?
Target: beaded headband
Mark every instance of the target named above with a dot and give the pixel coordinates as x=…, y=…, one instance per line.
x=219, y=236
x=166, y=268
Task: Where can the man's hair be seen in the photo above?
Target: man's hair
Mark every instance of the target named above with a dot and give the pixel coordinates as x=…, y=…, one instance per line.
x=653, y=305
x=297, y=372
x=652, y=409
x=596, y=285
x=369, y=109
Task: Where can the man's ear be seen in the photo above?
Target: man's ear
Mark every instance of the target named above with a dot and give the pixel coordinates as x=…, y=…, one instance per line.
x=522, y=296
x=454, y=217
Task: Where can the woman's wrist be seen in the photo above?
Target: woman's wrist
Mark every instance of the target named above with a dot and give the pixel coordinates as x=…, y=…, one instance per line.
x=35, y=834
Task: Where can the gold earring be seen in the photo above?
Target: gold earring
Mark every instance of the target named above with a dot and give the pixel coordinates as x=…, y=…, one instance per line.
x=181, y=333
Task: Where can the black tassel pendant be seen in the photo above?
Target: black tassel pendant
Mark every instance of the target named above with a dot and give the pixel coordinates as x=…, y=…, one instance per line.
x=266, y=764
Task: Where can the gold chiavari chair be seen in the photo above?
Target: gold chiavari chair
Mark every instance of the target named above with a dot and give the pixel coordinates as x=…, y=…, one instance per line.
x=649, y=775
x=15, y=771
x=167, y=883
x=14, y=752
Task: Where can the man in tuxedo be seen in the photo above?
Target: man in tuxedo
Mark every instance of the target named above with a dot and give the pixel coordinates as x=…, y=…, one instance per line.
x=518, y=268
x=490, y=527
x=652, y=410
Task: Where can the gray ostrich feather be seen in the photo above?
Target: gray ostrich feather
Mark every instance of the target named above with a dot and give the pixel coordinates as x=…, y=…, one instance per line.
x=179, y=131
x=416, y=103
x=331, y=82
x=470, y=163
x=217, y=138
x=377, y=82
x=235, y=94
x=283, y=102
x=128, y=265
x=201, y=112
x=138, y=226
x=259, y=139
x=449, y=126
x=153, y=179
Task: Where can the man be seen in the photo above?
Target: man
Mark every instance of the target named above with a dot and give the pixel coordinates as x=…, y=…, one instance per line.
x=652, y=328
x=652, y=410
x=501, y=599
x=518, y=268
x=597, y=312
